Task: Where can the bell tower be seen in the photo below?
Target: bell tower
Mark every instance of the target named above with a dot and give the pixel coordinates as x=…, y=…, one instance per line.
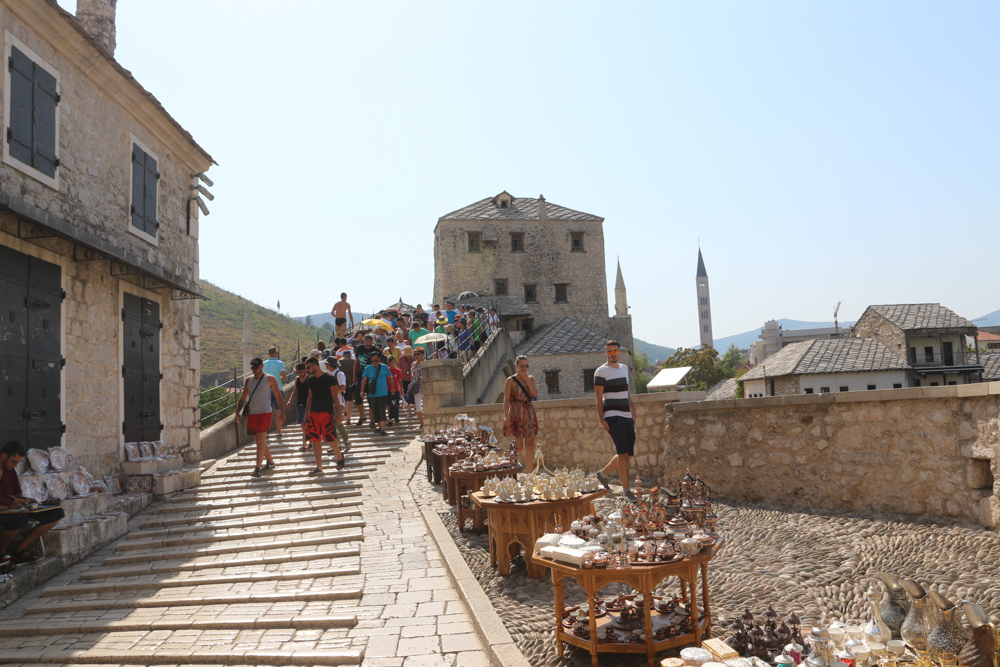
x=704, y=303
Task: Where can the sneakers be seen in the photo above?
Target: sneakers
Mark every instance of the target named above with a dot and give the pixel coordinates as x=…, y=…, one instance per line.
x=629, y=496
x=255, y=473
x=603, y=479
x=361, y=422
x=278, y=437
x=315, y=471
x=382, y=431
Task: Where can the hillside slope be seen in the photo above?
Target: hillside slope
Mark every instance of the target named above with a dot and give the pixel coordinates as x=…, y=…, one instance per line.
x=656, y=352
x=222, y=333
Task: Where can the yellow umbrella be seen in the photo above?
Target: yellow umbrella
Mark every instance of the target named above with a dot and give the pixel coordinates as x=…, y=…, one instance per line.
x=377, y=323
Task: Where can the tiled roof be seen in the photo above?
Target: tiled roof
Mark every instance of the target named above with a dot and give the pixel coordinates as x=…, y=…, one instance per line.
x=991, y=362
x=910, y=316
x=986, y=335
x=564, y=336
x=508, y=306
x=843, y=355
x=521, y=208
x=722, y=391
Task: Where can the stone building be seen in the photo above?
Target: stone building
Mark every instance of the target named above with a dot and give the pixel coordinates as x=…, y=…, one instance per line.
x=930, y=337
x=98, y=245
x=550, y=256
x=826, y=366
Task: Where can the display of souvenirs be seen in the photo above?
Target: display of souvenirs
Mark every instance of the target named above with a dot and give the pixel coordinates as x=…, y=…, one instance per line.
x=38, y=459
x=492, y=460
x=80, y=483
x=140, y=483
x=765, y=637
x=56, y=487
x=59, y=459
x=113, y=485
x=32, y=489
x=131, y=451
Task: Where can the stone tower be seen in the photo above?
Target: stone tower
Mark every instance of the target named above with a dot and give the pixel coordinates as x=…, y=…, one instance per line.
x=704, y=303
x=98, y=18
x=247, y=339
x=621, y=301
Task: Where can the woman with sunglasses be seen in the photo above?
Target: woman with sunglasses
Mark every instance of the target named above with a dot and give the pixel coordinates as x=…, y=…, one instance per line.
x=520, y=421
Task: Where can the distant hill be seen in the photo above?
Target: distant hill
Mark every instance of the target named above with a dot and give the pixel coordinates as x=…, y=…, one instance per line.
x=222, y=333
x=656, y=352
x=990, y=320
x=743, y=340
x=319, y=319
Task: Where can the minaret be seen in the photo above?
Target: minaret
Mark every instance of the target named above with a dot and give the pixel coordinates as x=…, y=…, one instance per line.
x=247, y=339
x=621, y=302
x=704, y=303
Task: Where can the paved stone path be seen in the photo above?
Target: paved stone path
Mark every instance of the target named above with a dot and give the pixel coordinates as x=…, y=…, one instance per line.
x=285, y=570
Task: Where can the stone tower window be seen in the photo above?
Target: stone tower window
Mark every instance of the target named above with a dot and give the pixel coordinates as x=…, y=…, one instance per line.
x=562, y=292
x=500, y=287
x=475, y=242
x=552, y=381
x=576, y=242
x=517, y=242
x=531, y=293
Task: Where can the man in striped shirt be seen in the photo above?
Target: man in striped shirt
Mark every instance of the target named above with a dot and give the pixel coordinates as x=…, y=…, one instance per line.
x=616, y=412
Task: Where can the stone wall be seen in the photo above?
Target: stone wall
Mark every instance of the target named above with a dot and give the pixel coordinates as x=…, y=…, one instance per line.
x=569, y=433
x=571, y=368
x=547, y=260
x=930, y=451
x=874, y=325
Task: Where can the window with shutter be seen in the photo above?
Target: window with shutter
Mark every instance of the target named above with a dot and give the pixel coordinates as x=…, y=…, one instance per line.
x=145, y=178
x=31, y=129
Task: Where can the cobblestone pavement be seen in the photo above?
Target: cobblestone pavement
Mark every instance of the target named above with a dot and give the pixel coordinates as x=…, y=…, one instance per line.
x=818, y=565
x=285, y=570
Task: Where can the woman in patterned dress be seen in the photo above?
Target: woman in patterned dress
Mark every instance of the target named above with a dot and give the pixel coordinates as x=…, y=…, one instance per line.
x=520, y=421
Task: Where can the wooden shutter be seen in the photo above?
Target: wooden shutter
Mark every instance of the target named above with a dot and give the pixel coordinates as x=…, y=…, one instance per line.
x=151, y=176
x=138, y=188
x=22, y=83
x=46, y=98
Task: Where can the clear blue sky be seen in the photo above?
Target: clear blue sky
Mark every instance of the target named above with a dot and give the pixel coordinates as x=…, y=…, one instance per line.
x=820, y=151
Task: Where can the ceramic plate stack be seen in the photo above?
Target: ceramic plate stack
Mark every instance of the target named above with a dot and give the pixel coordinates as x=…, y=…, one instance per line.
x=59, y=459
x=131, y=451
x=56, y=487
x=38, y=460
x=80, y=483
x=32, y=489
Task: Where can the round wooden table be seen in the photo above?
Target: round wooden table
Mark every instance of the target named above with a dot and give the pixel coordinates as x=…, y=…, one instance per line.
x=464, y=483
x=643, y=578
x=522, y=524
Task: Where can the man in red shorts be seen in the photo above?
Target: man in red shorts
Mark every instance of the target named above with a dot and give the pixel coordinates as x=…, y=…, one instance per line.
x=322, y=407
x=258, y=391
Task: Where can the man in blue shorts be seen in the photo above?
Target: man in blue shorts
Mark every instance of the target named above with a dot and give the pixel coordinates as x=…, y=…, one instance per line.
x=616, y=413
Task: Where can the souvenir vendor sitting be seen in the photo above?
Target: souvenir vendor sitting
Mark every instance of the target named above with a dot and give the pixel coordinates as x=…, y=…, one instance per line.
x=10, y=498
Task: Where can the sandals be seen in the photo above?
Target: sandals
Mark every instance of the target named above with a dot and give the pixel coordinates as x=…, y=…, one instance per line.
x=23, y=556
x=315, y=471
x=341, y=463
x=382, y=431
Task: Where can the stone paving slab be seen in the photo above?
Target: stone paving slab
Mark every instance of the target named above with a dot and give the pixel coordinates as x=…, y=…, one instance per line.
x=226, y=564
x=219, y=505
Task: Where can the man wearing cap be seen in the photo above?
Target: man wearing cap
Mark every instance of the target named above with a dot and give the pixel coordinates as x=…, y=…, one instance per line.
x=258, y=391
x=362, y=359
x=440, y=324
x=276, y=368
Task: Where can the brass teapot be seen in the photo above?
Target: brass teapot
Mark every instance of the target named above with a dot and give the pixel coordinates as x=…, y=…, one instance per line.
x=983, y=649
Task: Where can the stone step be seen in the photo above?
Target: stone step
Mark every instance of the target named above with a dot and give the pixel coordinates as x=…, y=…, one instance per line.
x=191, y=506
x=30, y=627
x=193, y=581
x=139, y=545
x=318, y=481
x=184, y=566
x=232, y=516
x=280, y=476
x=143, y=556
x=146, y=602
x=223, y=525
x=306, y=457
x=44, y=656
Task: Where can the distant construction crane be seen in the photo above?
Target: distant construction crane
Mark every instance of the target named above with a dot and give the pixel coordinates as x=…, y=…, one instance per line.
x=836, y=325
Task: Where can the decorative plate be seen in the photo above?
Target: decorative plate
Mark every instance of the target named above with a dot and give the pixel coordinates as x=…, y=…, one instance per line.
x=22, y=467
x=100, y=486
x=157, y=448
x=80, y=483
x=32, y=489
x=59, y=459
x=113, y=485
x=141, y=483
x=146, y=450
x=56, y=487
x=131, y=451
x=38, y=460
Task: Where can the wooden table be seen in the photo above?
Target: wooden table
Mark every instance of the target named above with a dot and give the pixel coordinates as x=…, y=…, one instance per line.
x=434, y=471
x=522, y=524
x=643, y=578
x=466, y=482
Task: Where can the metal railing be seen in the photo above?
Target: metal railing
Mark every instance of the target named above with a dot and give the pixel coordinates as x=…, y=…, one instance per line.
x=956, y=358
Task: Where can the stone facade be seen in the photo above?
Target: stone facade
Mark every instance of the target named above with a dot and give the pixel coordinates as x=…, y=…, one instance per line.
x=874, y=325
x=84, y=216
x=547, y=260
x=571, y=369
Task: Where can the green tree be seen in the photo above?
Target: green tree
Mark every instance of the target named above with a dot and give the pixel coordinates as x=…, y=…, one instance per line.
x=642, y=366
x=309, y=320
x=705, y=367
x=327, y=326
x=729, y=360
